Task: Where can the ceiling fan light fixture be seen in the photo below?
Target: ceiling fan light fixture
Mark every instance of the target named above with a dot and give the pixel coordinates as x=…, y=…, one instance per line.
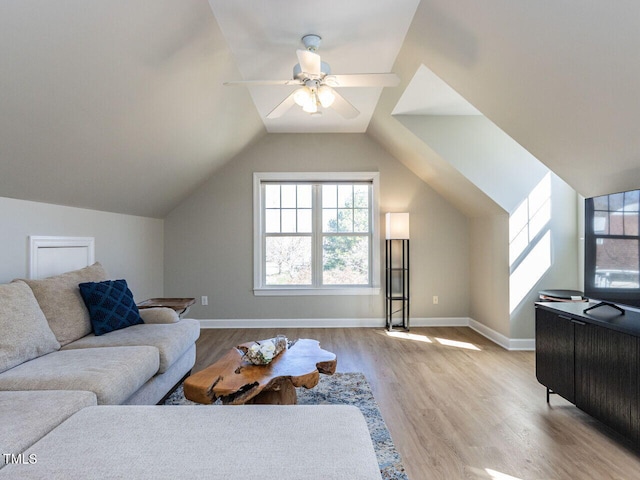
x=312, y=105
x=302, y=96
x=326, y=96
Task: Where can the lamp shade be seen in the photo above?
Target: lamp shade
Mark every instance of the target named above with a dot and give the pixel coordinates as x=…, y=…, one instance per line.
x=326, y=96
x=397, y=226
x=302, y=96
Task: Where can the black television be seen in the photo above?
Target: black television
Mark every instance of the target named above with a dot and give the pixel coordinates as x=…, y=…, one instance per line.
x=612, y=248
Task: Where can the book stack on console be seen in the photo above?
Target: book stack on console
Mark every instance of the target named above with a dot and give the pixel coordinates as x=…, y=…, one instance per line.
x=562, y=296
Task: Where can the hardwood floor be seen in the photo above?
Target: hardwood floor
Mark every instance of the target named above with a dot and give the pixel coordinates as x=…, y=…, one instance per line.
x=460, y=407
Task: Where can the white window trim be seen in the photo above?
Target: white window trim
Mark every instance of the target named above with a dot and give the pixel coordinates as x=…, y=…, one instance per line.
x=259, y=289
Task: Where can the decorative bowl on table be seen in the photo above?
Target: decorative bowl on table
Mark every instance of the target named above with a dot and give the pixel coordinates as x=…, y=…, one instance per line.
x=264, y=351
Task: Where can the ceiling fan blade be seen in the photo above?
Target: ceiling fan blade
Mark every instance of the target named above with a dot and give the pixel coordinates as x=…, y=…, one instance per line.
x=283, y=107
x=262, y=82
x=309, y=62
x=343, y=107
x=363, y=80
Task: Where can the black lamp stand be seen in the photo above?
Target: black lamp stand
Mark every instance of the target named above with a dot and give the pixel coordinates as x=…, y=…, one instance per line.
x=397, y=284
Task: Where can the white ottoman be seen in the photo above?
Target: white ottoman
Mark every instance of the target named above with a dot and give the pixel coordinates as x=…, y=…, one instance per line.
x=294, y=442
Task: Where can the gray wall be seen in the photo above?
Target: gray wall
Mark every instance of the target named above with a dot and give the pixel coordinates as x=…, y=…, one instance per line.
x=209, y=244
x=490, y=279
x=489, y=245
x=129, y=247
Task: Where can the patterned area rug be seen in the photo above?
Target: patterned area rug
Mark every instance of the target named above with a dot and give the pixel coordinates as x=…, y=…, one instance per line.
x=345, y=389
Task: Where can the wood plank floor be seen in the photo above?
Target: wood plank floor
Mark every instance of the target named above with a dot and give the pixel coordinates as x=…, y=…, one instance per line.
x=460, y=407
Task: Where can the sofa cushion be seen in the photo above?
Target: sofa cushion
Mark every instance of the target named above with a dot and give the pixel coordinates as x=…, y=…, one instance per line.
x=27, y=416
x=111, y=305
x=159, y=315
x=24, y=331
x=60, y=300
x=171, y=339
x=113, y=373
x=330, y=442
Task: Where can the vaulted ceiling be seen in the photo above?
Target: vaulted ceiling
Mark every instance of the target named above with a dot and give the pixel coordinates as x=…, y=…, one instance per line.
x=119, y=105
x=358, y=36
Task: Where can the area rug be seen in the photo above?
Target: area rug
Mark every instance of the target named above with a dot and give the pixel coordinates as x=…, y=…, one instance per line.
x=345, y=389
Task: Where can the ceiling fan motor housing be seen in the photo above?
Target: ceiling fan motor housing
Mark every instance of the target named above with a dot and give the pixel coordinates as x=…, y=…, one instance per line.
x=298, y=74
x=311, y=42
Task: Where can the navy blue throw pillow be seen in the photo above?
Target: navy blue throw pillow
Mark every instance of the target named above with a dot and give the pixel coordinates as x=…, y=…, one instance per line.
x=111, y=305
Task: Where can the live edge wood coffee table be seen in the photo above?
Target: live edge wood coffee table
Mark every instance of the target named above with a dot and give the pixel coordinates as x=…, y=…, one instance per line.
x=236, y=381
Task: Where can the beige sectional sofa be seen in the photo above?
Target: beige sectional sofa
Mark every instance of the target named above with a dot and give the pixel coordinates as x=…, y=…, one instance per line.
x=63, y=392
x=51, y=346
x=52, y=365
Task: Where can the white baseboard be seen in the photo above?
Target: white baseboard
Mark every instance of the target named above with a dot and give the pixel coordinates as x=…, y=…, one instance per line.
x=292, y=323
x=440, y=322
x=528, y=344
x=502, y=340
x=497, y=338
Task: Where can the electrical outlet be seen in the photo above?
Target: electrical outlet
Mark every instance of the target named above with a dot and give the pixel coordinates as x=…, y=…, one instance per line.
x=204, y=300
x=435, y=299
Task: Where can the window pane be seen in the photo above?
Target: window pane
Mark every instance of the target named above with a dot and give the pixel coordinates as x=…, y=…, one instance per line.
x=632, y=201
x=329, y=220
x=288, y=220
x=616, y=224
x=272, y=221
x=304, y=221
x=600, y=222
x=345, y=195
x=631, y=223
x=288, y=261
x=616, y=202
x=361, y=220
x=304, y=196
x=329, y=196
x=288, y=196
x=345, y=260
x=617, y=263
x=345, y=220
x=272, y=196
x=361, y=196
x=601, y=203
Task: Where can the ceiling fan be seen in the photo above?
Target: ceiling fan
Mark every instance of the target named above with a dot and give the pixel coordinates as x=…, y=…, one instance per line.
x=318, y=84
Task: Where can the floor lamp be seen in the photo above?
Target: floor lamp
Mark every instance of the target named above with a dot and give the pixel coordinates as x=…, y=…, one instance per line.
x=397, y=270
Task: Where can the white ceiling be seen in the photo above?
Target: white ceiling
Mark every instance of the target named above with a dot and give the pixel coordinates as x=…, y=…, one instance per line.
x=358, y=36
x=118, y=105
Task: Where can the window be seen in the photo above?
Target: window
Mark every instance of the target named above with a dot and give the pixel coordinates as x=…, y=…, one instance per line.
x=612, y=243
x=316, y=233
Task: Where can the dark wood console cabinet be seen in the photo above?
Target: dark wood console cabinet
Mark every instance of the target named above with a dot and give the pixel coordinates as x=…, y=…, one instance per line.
x=592, y=361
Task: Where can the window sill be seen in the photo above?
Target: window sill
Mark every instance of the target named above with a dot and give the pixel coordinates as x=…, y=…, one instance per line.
x=301, y=291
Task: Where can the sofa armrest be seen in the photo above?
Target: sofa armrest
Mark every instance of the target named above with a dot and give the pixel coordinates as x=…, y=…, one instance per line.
x=159, y=315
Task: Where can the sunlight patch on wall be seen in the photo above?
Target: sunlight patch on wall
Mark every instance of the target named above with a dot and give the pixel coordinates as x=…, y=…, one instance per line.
x=529, y=219
x=529, y=271
x=529, y=242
